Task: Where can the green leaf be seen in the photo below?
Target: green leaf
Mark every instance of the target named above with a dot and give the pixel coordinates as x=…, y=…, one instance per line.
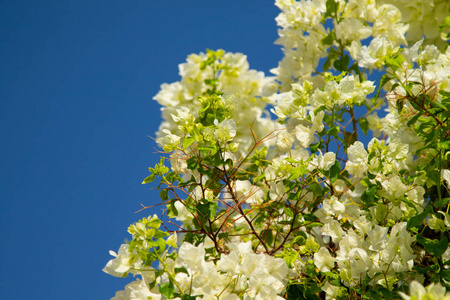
x=350, y=137
x=332, y=7
x=427, y=270
x=290, y=256
x=395, y=62
x=188, y=297
x=188, y=141
x=333, y=278
x=445, y=145
x=259, y=177
x=164, y=195
x=387, y=294
x=300, y=239
x=314, y=147
x=333, y=131
x=414, y=119
x=417, y=220
x=267, y=236
x=373, y=294
x=328, y=40
x=181, y=270
x=172, y=208
x=342, y=64
x=437, y=108
x=172, y=177
x=291, y=160
x=149, y=179
x=383, y=80
x=205, y=210
x=445, y=274
x=433, y=246
x=441, y=203
x=364, y=124
x=332, y=55
x=193, y=163
x=447, y=21
x=314, y=224
x=315, y=188
x=167, y=289
x=335, y=170
x=301, y=292
x=310, y=217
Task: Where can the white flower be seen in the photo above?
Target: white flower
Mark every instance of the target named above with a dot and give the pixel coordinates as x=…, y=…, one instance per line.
x=351, y=29
x=446, y=218
x=334, y=229
x=327, y=160
x=362, y=225
x=183, y=116
x=178, y=162
x=191, y=256
x=375, y=124
x=323, y=260
x=445, y=174
x=429, y=55
x=359, y=262
x=304, y=135
x=393, y=187
x=169, y=141
x=435, y=291
x=123, y=262
x=170, y=94
x=374, y=55
x=226, y=130
x=245, y=191
x=284, y=141
x=277, y=191
x=388, y=24
x=333, y=206
x=136, y=290
x=436, y=224
x=330, y=290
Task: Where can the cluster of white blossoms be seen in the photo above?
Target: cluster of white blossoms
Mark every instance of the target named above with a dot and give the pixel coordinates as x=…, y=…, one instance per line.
x=244, y=90
x=239, y=274
x=300, y=186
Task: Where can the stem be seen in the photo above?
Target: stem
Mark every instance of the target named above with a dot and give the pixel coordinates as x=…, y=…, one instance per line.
x=355, y=130
x=230, y=189
x=167, y=271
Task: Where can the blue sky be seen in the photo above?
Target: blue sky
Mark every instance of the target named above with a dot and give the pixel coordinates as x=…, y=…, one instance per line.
x=76, y=85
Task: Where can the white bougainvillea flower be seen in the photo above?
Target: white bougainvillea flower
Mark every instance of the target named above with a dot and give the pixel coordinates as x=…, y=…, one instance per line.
x=435, y=291
x=123, y=262
x=373, y=56
x=333, y=206
x=359, y=262
x=245, y=191
x=323, y=260
x=330, y=290
x=334, y=230
x=304, y=135
x=445, y=173
x=178, y=162
x=226, y=130
x=393, y=187
x=284, y=141
x=136, y=290
x=169, y=141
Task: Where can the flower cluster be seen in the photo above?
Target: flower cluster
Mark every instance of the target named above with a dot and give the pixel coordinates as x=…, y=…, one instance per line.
x=239, y=273
x=301, y=186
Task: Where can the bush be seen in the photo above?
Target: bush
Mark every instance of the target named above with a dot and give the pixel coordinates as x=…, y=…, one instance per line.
x=273, y=189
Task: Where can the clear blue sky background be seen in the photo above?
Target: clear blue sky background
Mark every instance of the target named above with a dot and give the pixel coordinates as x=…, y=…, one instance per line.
x=76, y=85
